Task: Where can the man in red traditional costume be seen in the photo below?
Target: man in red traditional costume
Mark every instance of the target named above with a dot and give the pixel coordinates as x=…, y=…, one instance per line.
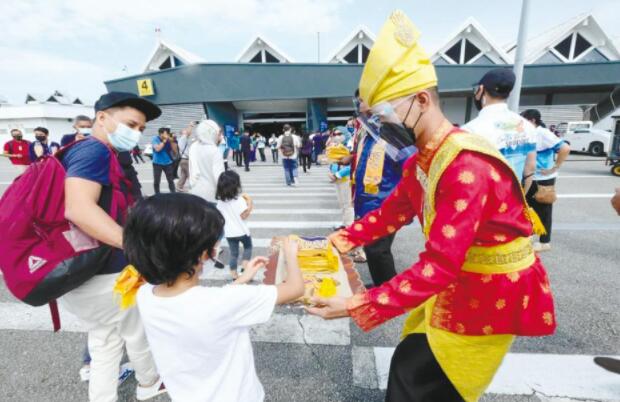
x=478, y=283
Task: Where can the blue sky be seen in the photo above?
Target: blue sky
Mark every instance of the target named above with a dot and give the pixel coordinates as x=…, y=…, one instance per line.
x=74, y=45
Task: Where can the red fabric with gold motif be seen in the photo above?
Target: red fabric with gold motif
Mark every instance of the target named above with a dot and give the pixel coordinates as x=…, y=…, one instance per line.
x=476, y=204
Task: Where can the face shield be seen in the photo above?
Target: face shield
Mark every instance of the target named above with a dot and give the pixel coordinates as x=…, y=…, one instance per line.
x=383, y=124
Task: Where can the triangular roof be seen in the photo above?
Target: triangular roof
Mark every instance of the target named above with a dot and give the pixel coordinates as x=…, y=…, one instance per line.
x=164, y=49
x=360, y=35
x=539, y=44
x=473, y=31
x=260, y=43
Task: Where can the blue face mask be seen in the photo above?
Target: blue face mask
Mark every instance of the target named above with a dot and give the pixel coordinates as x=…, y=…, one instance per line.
x=124, y=138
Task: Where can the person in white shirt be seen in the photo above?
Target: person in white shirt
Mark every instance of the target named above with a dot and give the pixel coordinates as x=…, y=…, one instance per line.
x=199, y=335
x=184, y=143
x=273, y=144
x=551, y=152
x=206, y=162
x=236, y=208
x=288, y=145
x=514, y=136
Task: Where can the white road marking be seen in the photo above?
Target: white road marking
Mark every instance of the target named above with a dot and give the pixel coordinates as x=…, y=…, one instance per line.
x=585, y=176
x=294, y=202
x=281, y=328
x=309, y=196
x=569, y=376
x=278, y=211
x=292, y=224
x=586, y=195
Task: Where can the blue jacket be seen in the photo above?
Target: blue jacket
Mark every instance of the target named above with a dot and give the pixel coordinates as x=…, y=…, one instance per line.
x=392, y=171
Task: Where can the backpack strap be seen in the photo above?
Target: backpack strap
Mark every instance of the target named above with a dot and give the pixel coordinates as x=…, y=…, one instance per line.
x=55, y=315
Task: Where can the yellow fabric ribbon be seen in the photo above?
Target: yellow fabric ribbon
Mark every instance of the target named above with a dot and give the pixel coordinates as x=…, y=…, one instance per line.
x=374, y=168
x=337, y=152
x=127, y=285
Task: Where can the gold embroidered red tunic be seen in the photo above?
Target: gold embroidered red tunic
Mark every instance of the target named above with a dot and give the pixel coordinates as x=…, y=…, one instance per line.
x=478, y=260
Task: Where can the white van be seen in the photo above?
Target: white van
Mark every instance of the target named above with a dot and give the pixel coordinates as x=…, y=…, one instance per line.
x=583, y=138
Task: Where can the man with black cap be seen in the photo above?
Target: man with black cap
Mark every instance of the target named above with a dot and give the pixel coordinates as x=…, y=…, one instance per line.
x=91, y=199
x=514, y=136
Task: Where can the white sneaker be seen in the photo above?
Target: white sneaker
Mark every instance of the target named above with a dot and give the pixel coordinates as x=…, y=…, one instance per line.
x=145, y=393
x=541, y=247
x=85, y=373
x=125, y=372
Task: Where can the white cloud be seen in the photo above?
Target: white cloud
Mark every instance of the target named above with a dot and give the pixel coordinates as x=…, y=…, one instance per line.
x=29, y=21
x=42, y=72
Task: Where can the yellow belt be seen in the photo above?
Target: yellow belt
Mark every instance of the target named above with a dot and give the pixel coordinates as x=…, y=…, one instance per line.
x=514, y=256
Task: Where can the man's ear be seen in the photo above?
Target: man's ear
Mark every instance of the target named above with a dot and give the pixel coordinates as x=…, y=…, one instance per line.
x=479, y=92
x=424, y=99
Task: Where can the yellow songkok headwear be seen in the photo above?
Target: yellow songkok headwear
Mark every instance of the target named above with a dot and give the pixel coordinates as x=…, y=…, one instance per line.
x=397, y=65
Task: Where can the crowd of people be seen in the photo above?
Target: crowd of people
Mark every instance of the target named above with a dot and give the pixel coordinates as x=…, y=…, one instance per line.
x=480, y=191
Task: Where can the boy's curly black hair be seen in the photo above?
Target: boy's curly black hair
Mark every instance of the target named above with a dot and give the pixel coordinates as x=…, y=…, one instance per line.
x=166, y=234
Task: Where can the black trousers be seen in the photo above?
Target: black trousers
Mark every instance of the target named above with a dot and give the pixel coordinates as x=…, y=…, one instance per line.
x=415, y=375
x=305, y=161
x=380, y=260
x=274, y=155
x=168, y=171
x=544, y=211
x=237, y=157
x=261, y=152
x=246, y=160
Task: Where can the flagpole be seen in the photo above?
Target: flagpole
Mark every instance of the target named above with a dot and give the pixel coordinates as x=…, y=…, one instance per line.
x=513, y=101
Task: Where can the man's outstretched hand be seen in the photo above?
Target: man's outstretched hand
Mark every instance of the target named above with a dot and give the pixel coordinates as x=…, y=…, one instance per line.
x=340, y=241
x=334, y=307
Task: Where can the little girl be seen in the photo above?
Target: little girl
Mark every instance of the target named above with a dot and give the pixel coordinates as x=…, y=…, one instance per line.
x=235, y=208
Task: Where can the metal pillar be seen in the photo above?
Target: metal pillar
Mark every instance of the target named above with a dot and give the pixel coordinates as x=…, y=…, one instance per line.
x=515, y=96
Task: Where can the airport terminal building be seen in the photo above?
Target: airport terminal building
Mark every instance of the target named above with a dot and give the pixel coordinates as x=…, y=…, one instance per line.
x=572, y=73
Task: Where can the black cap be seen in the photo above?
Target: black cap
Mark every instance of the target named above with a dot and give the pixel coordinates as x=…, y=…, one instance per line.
x=112, y=99
x=498, y=82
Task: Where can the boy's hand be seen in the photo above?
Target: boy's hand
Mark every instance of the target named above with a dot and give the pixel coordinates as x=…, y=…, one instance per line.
x=340, y=241
x=334, y=307
x=250, y=270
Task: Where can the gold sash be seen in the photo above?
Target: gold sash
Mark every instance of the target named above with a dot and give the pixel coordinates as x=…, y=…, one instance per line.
x=374, y=168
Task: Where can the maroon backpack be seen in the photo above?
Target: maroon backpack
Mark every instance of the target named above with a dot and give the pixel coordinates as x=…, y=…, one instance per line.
x=42, y=254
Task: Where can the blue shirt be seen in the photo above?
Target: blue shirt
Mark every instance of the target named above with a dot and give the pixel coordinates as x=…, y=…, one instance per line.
x=365, y=202
x=67, y=139
x=547, y=145
x=49, y=148
x=90, y=160
x=161, y=157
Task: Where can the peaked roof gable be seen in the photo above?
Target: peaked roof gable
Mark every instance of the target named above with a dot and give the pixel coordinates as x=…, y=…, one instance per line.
x=163, y=50
x=471, y=31
x=259, y=44
x=584, y=24
x=359, y=36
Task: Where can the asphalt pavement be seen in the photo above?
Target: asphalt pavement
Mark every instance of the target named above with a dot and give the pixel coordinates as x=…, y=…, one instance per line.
x=300, y=358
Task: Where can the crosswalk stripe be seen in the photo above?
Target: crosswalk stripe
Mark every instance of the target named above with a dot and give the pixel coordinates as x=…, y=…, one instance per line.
x=587, y=195
x=571, y=376
x=262, y=202
x=299, y=211
x=292, y=224
x=281, y=328
x=311, y=196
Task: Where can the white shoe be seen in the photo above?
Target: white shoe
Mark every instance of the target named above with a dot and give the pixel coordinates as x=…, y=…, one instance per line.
x=541, y=247
x=145, y=393
x=85, y=373
x=125, y=372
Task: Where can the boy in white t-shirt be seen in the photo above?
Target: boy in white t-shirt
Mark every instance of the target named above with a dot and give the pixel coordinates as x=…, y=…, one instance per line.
x=199, y=336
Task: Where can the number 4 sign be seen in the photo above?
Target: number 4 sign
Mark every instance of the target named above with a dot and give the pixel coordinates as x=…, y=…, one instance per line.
x=145, y=87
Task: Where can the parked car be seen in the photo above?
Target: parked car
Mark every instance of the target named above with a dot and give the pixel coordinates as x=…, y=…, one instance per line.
x=583, y=138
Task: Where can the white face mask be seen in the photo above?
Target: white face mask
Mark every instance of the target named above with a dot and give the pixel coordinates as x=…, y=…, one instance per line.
x=85, y=131
x=123, y=138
